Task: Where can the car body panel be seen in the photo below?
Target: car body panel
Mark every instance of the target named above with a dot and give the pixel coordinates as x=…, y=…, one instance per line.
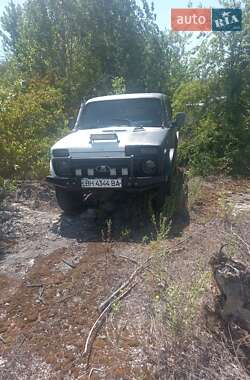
x=142, y=95
x=79, y=144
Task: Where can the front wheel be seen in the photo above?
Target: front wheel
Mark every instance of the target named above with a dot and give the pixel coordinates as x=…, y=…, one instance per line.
x=160, y=198
x=70, y=202
x=165, y=190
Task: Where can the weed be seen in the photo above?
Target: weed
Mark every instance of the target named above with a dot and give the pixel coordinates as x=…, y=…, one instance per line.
x=194, y=190
x=125, y=233
x=146, y=239
x=161, y=223
x=225, y=208
x=174, y=203
x=116, y=307
x=174, y=301
x=106, y=231
x=164, y=228
x=182, y=304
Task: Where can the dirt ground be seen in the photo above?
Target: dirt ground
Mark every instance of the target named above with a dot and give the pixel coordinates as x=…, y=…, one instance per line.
x=55, y=271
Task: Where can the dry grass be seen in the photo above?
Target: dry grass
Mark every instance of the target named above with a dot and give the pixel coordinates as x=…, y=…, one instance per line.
x=190, y=345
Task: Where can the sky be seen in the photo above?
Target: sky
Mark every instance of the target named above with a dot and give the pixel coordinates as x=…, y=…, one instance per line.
x=162, y=9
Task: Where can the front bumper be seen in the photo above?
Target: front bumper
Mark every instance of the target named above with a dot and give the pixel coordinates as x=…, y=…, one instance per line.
x=129, y=184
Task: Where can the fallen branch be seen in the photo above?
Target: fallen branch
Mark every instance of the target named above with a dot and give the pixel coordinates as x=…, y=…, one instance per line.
x=41, y=291
x=34, y=285
x=94, y=370
x=181, y=242
x=126, y=258
x=125, y=284
x=143, y=266
x=106, y=306
x=98, y=323
x=2, y=340
x=64, y=299
x=69, y=264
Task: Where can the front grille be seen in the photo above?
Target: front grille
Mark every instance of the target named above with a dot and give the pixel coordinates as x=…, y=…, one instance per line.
x=67, y=167
x=84, y=165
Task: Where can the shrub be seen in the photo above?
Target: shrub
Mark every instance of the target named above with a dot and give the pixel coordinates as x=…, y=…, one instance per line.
x=31, y=118
x=212, y=141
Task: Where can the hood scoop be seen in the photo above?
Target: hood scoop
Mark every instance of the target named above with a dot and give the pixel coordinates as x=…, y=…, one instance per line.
x=110, y=137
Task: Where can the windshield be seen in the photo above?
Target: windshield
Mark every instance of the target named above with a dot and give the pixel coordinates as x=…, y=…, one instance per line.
x=124, y=112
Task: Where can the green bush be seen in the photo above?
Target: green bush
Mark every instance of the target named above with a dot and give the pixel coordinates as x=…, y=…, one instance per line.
x=6, y=187
x=210, y=141
x=31, y=119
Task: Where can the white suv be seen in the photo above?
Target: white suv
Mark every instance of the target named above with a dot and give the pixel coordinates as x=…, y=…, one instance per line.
x=118, y=143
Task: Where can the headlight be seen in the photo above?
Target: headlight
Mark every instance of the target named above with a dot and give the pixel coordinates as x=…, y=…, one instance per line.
x=60, y=153
x=62, y=167
x=138, y=150
x=149, y=167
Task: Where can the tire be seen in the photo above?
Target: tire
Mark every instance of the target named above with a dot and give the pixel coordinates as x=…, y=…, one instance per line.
x=169, y=185
x=70, y=202
x=160, y=198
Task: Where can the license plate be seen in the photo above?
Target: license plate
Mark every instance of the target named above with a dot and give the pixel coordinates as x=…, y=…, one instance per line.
x=96, y=183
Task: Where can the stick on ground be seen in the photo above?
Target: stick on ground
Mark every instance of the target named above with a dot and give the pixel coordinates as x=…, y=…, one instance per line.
x=69, y=264
x=124, y=285
x=106, y=306
x=98, y=323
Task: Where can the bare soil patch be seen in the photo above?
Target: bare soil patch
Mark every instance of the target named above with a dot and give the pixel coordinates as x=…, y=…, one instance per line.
x=55, y=271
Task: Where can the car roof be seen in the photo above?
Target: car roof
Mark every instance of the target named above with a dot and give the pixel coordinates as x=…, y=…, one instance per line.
x=143, y=95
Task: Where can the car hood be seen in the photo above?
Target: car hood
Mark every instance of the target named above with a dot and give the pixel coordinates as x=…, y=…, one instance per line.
x=109, y=142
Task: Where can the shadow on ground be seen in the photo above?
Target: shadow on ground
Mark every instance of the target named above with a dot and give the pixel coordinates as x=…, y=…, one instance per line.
x=180, y=214
x=132, y=218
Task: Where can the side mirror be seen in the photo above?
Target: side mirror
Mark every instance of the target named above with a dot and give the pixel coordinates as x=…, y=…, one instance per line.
x=180, y=119
x=71, y=122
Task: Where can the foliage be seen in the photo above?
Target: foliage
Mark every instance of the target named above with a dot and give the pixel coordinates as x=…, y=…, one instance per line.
x=6, y=187
x=74, y=49
x=217, y=100
x=31, y=118
x=118, y=85
x=81, y=46
x=203, y=143
x=194, y=191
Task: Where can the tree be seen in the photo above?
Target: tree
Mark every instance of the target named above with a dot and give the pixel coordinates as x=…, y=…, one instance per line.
x=80, y=46
x=31, y=118
x=222, y=68
x=11, y=21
